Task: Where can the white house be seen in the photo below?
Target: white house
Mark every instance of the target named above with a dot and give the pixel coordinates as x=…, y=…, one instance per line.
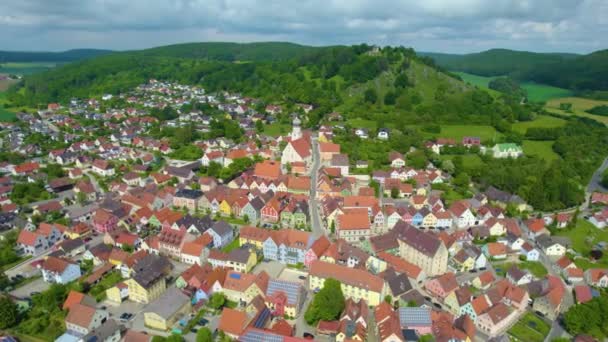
x=57, y=270
x=507, y=150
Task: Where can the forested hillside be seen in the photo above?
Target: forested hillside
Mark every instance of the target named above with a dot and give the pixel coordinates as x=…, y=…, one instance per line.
x=249, y=52
x=580, y=73
x=65, y=56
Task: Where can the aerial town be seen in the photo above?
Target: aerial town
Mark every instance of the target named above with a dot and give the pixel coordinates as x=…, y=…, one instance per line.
x=258, y=229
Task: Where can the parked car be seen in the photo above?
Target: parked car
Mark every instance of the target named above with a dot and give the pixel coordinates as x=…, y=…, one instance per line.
x=203, y=322
x=309, y=336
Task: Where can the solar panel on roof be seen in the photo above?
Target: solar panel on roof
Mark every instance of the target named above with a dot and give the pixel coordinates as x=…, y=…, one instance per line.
x=235, y=276
x=260, y=322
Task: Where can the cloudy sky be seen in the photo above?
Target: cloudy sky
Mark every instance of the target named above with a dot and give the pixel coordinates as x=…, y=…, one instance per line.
x=427, y=25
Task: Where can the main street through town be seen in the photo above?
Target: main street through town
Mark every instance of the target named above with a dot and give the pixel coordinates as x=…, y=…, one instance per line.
x=316, y=223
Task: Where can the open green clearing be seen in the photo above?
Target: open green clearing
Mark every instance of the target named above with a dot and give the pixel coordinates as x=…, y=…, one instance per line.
x=5, y=114
x=536, y=92
x=583, y=237
x=542, y=121
x=457, y=132
x=468, y=160
x=536, y=268
x=542, y=149
x=579, y=106
x=25, y=68
x=276, y=129
x=530, y=328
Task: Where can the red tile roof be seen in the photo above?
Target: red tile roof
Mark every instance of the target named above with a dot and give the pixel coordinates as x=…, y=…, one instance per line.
x=353, y=277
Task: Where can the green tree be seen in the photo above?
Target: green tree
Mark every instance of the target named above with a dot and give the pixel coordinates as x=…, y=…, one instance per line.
x=394, y=192
x=259, y=126
x=390, y=98
x=327, y=304
x=204, y=335
x=217, y=300
x=401, y=81
x=174, y=338
x=8, y=313
x=370, y=96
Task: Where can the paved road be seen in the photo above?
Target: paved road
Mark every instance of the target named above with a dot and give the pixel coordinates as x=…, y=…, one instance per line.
x=316, y=222
x=98, y=188
x=594, y=184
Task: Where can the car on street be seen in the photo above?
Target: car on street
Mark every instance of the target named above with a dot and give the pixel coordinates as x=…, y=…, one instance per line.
x=126, y=316
x=309, y=336
x=203, y=322
x=302, y=277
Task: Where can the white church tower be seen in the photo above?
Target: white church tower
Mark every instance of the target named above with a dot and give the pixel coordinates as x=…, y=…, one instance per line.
x=296, y=132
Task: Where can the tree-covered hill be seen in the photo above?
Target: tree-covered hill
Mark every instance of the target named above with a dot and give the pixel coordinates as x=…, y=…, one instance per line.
x=65, y=56
x=264, y=51
x=580, y=73
x=496, y=62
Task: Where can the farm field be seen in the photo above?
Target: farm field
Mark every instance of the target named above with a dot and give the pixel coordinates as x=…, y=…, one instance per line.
x=542, y=121
x=536, y=92
x=4, y=84
x=579, y=106
x=542, y=149
x=5, y=114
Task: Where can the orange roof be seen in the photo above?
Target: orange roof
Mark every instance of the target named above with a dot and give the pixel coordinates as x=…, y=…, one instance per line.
x=74, y=297
x=486, y=277
x=401, y=265
x=254, y=233
x=267, y=169
x=192, y=248
x=353, y=220
x=80, y=315
x=354, y=277
x=298, y=183
x=480, y=304
x=328, y=147
x=235, y=154
x=54, y=264
x=301, y=146
x=232, y=321
x=27, y=238
x=496, y=248
x=360, y=201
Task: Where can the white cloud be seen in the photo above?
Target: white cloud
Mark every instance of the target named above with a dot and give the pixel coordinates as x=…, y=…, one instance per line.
x=440, y=25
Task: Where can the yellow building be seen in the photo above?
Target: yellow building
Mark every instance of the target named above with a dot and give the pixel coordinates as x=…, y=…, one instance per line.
x=118, y=293
x=225, y=208
x=424, y=250
x=165, y=311
x=143, y=289
x=356, y=284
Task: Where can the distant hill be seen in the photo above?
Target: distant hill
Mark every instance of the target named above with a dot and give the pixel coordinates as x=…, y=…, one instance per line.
x=581, y=73
x=496, y=62
x=65, y=56
x=265, y=51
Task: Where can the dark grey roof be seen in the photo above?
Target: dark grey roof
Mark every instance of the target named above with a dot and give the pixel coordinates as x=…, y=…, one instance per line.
x=70, y=244
x=425, y=243
x=240, y=255
x=339, y=160
x=182, y=172
x=189, y=193
x=255, y=335
x=201, y=223
x=399, y=284
x=257, y=203
x=103, y=332
x=515, y=273
x=150, y=268
x=221, y=228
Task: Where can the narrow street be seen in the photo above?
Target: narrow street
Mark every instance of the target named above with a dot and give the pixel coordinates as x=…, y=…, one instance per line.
x=316, y=223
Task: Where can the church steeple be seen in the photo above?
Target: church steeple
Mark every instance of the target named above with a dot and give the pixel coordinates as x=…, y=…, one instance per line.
x=296, y=132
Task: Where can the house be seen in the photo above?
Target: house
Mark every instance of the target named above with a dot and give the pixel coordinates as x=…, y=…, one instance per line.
x=316, y=250
x=417, y=319
x=187, y=198
x=327, y=150
x=549, y=246
x=550, y=298
x=58, y=270
x=298, y=150
x=241, y=259
x=423, y=249
x=495, y=250
x=287, y=246
x=284, y=298
x=507, y=150
x=108, y=331
x=396, y=159
x=148, y=283
x=353, y=225
x=31, y=243
x=233, y=322
x=355, y=283
x=536, y=227
x=104, y=221
x=102, y=168
x=484, y=280
x=562, y=220
x=517, y=276
x=442, y=286
x=471, y=141
x=82, y=319
x=463, y=217
x=222, y=234
x=583, y=293
x=166, y=310
x=383, y=133
x=496, y=320
x=597, y=277
x=340, y=161
x=267, y=169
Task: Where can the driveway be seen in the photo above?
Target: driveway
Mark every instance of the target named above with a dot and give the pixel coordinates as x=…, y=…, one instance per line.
x=26, y=290
x=273, y=268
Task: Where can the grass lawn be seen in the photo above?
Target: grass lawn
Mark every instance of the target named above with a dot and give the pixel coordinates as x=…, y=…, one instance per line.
x=544, y=121
x=579, y=106
x=362, y=123
x=98, y=291
x=12, y=264
x=542, y=92
x=231, y=246
x=583, y=237
x=536, y=92
x=542, y=149
x=276, y=129
x=530, y=328
x=456, y=132
x=536, y=268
